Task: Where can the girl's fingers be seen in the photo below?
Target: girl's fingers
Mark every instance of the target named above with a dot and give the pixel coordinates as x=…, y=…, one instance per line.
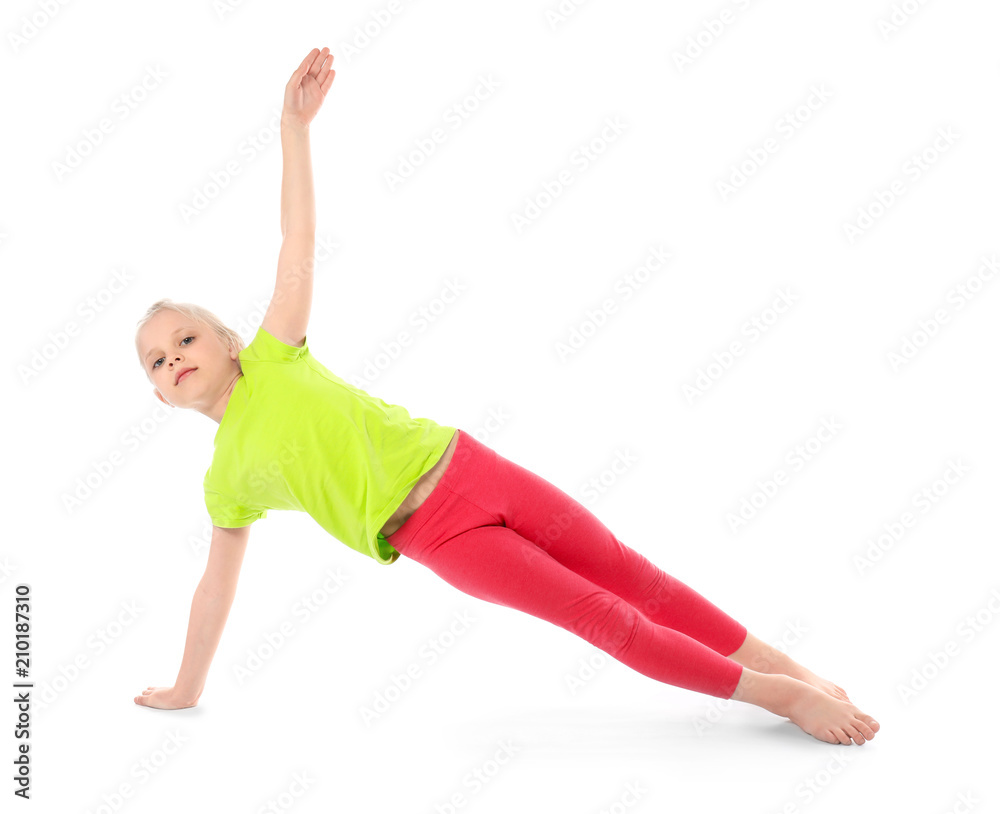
x=327, y=67
x=312, y=65
x=329, y=81
x=314, y=55
x=316, y=71
x=323, y=80
x=304, y=65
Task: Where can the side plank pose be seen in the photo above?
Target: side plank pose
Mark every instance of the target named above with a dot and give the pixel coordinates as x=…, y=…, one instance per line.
x=294, y=436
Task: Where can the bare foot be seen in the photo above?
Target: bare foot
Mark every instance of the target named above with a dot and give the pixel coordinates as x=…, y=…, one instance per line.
x=761, y=657
x=815, y=712
x=809, y=677
x=830, y=719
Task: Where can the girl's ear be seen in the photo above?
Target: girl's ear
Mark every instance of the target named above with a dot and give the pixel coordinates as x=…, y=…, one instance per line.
x=159, y=395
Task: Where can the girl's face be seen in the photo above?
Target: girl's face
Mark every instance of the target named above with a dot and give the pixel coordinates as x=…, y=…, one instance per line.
x=172, y=344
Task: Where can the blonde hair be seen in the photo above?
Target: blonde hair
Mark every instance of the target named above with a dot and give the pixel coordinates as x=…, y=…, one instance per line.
x=195, y=313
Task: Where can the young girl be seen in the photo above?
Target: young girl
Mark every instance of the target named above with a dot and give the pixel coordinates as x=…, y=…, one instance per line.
x=292, y=435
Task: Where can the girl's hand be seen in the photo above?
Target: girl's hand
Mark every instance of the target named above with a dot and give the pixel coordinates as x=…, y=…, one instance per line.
x=162, y=698
x=307, y=88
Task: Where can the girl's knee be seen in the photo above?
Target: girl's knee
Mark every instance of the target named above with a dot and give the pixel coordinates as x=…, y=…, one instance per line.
x=609, y=623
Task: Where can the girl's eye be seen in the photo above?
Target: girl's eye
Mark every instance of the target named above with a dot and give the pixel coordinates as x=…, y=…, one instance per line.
x=157, y=362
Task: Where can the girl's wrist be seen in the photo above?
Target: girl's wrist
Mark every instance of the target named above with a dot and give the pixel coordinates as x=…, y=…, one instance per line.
x=291, y=123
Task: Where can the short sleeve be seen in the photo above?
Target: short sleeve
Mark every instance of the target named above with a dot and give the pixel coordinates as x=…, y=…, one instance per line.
x=266, y=348
x=227, y=513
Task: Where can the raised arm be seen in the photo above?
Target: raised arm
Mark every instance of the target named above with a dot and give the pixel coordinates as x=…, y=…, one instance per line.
x=210, y=607
x=287, y=316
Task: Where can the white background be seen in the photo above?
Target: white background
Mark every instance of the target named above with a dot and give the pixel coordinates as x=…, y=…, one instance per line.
x=80, y=415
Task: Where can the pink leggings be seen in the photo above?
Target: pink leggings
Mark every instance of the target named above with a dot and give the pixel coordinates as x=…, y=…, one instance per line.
x=503, y=534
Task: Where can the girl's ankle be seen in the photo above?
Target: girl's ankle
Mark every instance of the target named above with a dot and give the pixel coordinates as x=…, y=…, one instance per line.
x=773, y=692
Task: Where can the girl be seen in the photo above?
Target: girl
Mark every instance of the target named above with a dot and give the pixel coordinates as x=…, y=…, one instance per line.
x=413, y=487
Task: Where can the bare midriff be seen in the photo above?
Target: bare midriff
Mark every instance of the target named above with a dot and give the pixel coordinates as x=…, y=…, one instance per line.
x=420, y=491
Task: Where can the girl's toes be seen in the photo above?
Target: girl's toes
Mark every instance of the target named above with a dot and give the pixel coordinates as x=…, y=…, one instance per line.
x=864, y=729
x=855, y=735
x=870, y=721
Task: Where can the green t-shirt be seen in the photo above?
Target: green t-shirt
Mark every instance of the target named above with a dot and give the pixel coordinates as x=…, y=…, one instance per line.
x=295, y=436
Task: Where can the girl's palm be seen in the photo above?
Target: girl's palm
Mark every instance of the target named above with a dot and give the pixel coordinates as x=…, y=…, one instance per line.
x=308, y=85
